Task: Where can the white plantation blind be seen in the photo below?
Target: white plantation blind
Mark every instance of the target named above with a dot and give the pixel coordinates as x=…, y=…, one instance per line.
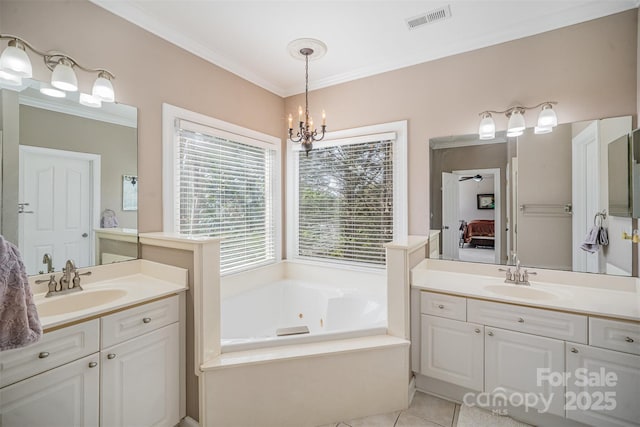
x=225, y=188
x=345, y=201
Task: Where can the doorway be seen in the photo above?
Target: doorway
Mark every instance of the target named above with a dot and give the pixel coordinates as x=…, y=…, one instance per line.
x=59, y=202
x=471, y=206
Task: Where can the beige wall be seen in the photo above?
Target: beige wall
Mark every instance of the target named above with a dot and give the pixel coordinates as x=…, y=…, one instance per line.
x=544, y=177
x=149, y=71
x=115, y=144
x=589, y=68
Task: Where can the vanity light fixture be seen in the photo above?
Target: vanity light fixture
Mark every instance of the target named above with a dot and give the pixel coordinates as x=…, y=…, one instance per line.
x=547, y=120
x=15, y=65
x=90, y=101
x=47, y=89
x=307, y=132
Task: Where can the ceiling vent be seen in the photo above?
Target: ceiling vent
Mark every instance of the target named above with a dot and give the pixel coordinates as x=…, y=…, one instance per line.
x=429, y=17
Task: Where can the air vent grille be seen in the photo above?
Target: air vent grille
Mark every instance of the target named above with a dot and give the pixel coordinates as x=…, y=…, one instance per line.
x=429, y=17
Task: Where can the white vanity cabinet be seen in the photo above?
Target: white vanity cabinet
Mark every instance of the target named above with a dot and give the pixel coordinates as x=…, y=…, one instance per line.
x=120, y=370
x=61, y=397
x=452, y=350
x=140, y=375
x=526, y=350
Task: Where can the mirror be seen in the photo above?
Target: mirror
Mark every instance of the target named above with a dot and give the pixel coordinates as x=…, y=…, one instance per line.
x=548, y=190
x=65, y=171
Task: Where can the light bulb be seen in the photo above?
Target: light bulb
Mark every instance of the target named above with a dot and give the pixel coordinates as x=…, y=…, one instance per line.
x=14, y=60
x=63, y=76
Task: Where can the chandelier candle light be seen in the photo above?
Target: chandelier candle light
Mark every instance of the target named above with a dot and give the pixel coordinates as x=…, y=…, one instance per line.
x=307, y=133
x=15, y=66
x=547, y=120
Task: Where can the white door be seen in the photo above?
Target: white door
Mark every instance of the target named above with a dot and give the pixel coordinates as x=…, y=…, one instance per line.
x=512, y=360
x=56, y=198
x=140, y=381
x=450, y=214
x=452, y=351
x=609, y=404
x=585, y=177
x=62, y=397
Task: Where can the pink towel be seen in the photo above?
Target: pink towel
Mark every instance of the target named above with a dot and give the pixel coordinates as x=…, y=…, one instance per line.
x=19, y=322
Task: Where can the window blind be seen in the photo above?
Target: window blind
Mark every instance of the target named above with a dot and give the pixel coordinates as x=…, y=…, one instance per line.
x=345, y=202
x=225, y=189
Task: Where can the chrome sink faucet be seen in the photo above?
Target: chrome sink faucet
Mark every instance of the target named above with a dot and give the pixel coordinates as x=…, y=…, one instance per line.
x=519, y=276
x=47, y=259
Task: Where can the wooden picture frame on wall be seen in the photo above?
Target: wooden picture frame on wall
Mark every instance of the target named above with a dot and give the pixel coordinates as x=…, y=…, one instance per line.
x=486, y=201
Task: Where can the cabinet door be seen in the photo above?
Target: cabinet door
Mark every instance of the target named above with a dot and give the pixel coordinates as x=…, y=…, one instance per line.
x=452, y=351
x=591, y=401
x=140, y=381
x=514, y=361
x=66, y=396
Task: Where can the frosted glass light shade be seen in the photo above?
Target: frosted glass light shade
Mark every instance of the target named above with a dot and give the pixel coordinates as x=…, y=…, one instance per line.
x=547, y=117
x=49, y=90
x=14, y=60
x=538, y=130
x=103, y=89
x=63, y=77
x=487, y=128
x=90, y=101
x=9, y=79
x=516, y=124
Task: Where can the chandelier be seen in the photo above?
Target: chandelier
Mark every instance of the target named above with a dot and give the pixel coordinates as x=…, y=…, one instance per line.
x=307, y=133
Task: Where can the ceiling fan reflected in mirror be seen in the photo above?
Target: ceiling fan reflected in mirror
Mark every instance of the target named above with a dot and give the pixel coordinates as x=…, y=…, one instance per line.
x=476, y=178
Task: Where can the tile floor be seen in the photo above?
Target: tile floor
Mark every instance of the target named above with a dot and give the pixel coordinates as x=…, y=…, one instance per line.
x=430, y=411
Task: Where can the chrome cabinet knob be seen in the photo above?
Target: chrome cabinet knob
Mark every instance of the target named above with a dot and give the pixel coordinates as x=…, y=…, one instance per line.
x=43, y=355
x=520, y=320
x=146, y=320
x=574, y=350
x=111, y=356
x=440, y=306
x=93, y=364
x=628, y=339
x=490, y=333
x=477, y=330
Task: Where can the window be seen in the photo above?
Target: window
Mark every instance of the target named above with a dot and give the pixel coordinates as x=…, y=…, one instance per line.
x=225, y=184
x=348, y=197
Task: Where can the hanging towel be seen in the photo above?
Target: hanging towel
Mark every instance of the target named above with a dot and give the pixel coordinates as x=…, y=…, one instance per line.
x=590, y=243
x=603, y=236
x=108, y=219
x=19, y=322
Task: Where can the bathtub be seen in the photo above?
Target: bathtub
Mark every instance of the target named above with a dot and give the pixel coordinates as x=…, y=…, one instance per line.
x=252, y=318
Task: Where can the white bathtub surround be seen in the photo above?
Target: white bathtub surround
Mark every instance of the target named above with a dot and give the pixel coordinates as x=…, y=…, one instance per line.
x=307, y=384
x=298, y=384
x=402, y=256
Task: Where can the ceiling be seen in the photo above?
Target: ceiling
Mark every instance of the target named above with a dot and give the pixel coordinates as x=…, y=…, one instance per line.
x=364, y=37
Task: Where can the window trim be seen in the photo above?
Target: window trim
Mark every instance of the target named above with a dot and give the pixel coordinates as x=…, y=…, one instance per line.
x=170, y=114
x=342, y=137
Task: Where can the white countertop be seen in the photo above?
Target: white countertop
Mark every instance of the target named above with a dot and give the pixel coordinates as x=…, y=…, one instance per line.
x=620, y=303
x=144, y=282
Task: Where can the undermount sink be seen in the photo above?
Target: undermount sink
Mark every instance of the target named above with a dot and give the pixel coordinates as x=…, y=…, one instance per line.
x=520, y=291
x=82, y=300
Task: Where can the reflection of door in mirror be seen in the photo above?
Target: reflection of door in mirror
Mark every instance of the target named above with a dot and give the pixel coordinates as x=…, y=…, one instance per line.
x=57, y=189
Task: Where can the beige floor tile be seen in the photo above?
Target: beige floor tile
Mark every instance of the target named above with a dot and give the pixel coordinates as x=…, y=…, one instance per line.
x=383, y=420
x=476, y=417
x=408, y=420
x=432, y=409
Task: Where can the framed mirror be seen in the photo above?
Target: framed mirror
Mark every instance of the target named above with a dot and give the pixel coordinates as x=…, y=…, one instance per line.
x=549, y=191
x=63, y=193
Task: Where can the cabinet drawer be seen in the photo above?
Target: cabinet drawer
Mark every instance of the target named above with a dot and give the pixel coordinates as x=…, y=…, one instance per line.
x=54, y=349
x=614, y=335
x=553, y=324
x=119, y=327
x=443, y=305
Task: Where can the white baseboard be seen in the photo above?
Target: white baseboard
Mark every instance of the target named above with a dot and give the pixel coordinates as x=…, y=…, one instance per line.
x=188, y=422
